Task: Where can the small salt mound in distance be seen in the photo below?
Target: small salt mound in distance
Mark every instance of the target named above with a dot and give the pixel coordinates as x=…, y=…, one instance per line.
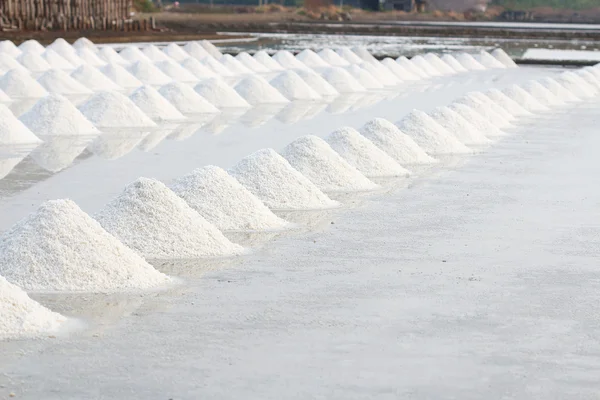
x=312, y=59
x=176, y=71
x=595, y=73
x=480, y=123
x=317, y=83
x=349, y=55
x=484, y=109
x=293, y=87
x=276, y=183
x=93, y=79
x=22, y=317
x=541, y=94
x=342, y=81
x=396, y=143
x=524, y=99
x=401, y=72
x=504, y=58
x=7, y=47
x=453, y=63
x=429, y=135
x=316, y=160
x=57, y=81
x=265, y=59
x=488, y=61
x=59, y=247
x=196, y=51
x=31, y=45
x=438, y=64
x=89, y=57
x=211, y=48
x=154, y=53
x=84, y=43
x=110, y=56
x=60, y=45
x=508, y=104
x=363, y=155
x=462, y=129
x=405, y=63
x=384, y=75
x=256, y=90
x=174, y=51
x=287, y=60
x=249, y=62
x=154, y=105
x=496, y=107
x=364, y=77
x=186, y=99
x=559, y=90
x=54, y=115
x=149, y=74
x=113, y=110
x=219, y=94
x=573, y=83
x=57, y=61
x=364, y=54
x=588, y=77
x=133, y=54
x=13, y=131
x=34, y=62
x=18, y=84
x=152, y=220
x=121, y=76
x=470, y=63
x=217, y=67
x=224, y=202
x=198, y=69
x=420, y=62
x=234, y=65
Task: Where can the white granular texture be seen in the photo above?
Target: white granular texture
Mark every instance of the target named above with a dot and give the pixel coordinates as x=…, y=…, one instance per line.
x=541, y=94
x=57, y=81
x=316, y=160
x=265, y=59
x=364, y=77
x=420, y=62
x=195, y=50
x=55, y=115
x=33, y=61
x=61, y=248
x=154, y=53
x=149, y=73
x=456, y=124
x=317, y=83
x=508, y=104
x=256, y=90
x=251, y=63
x=175, y=52
x=363, y=155
x=312, y=59
x=211, y=49
x=573, y=83
x=152, y=220
x=504, y=58
x=186, y=99
x=332, y=58
x=32, y=46
x=13, y=131
x=224, y=202
x=559, y=90
x=220, y=94
x=524, y=99
x=121, y=76
x=349, y=55
x=133, y=54
x=342, y=81
x=89, y=57
x=438, y=64
x=383, y=74
x=176, y=71
x=114, y=110
x=93, y=79
x=287, y=60
x=57, y=61
x=405, y=63
x=453, y=63
x=480, y=123
x=19, y=85
x=110, y=56
x=276, y=183
x=484, y=109
x=7, y=47
x=293, y=87
x=217, y=67
x=154, y=105
x=234, y=65
x=470, y=63
x=364, y=54
x=22, y=317
x=396, y=143
x=84, y=42
x=488, y=61
x=431, y=136
x=198, y=69
x=401, y=72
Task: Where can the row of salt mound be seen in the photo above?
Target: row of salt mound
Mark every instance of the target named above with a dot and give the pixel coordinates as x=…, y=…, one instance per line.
x=312, y=59
x=470, y=63
x=154, y=53
x=93, y=79
x=220, y=94
x=197, y=68
x=152, y=220
x=332, y=58
x=32, y=45
x=61, y=248
x=176, y=72
x=147, y=99
x=483, y=105
x=524, y=99
x=265, y=59
x=349, y=55
x=460, y=127
x=256, y=90
x=57, y=61
x=109, y=55
x=9, y=63
x=217, y=68
x=453, y=63
x=293, y=87
x=504, y=58
x=234, y=65
x=174, y=51
x=20, y=85
x=9, y=48
x=405, y=63
x=364, y=54
x=186, y=99
x=589, y=77
x=558, y=90
x=342, y=81
x=251, y=63
x=57, y=81
x=488, y=61
x=438, y=64
x=317, y=83
x=363, y=77
x=121, y=76
x=507, y=103
x=114, y=110
x=480, y=123
x=13, y=131
x=149, y=73
x=572, y=82
x=383, y=74
x=400, y=71
x=34, y=62
x=224, y=202
x=542, y=94
x=421, y=63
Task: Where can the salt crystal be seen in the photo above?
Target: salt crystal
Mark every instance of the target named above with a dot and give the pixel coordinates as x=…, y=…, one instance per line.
x=219, y=94
x=33, y=61
x=176, y=71
x=312, y=59
x=114, y=110
x=110, y=56
x=438, y=64
x=32, y=45
x=420, y=62
x=401, y=72
x=121, y=76
x=541, y=94
x=234, y=65
x=57, y=81
x=175, y=51
x=211, y=49
x=265, y=59
x=186, y=99
x=89, y=57
x=198, y=69
x=431, y=136
x=7, y=47
x=13, y=131
x=133, y=54
x=154, y=105
x=342, y=81
x=470, y=63
x=57, y=61
x=256, y=90
x=196, y=51
x=93, y=79
x=559, y=90
x=453, y=63
x=456, y=124
x=524, y=99
x=84, y=43
x=217, y=67
x=287, y=60
x=293, y=87
x=504, y=58
x=317, y=83
x=508, y=104
x=488, y=61
x=18, y=84
x=251, y=63
x=364, y=78
x=480, y=123
x=154, y=53
x=149, y=74
x=349, y=55
x=405, y=62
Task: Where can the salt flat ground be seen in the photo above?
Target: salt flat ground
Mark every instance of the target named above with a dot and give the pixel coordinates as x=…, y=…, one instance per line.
x=475, y=280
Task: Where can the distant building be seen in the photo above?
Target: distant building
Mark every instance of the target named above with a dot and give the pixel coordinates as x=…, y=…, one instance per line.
x=405, y=5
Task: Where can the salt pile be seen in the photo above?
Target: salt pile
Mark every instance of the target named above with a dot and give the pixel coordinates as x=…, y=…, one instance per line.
x=541, y=94
x=504, y=58
x=249, y=62
x=69, y=55
x=384, y=75
x=149, y=74
x=364, y=54
x=559, y=90
x=453, y=63
x=60, y=45
x=133, y=54
x=456, y=124
x=57, y=61
x=349, y=55
x=18, y=85
x=234, y=65
x=121, y=76
x=110, y=56
x=401, y=72
x=151, y=219
x=508, y=104
x=485, y=109
x=198, y=69
x=23, y=317
x=4, y=98
x=34, y=62
x=293, y=87
x=364, y=78
x=405, y=63
x=570, y=81
x=211, y=49
x=265, y=59
x=224, y=202
x=57, y=81
x=342, y=81
x=287, y=60
x=438, y=64
x=113, y=110
x=480, y=123
x=186, y=99
x=219, y=94
x=84, y=43
x=524, y=99
x=7, y=47
x=312, y=59
x=363, y=155
x=154, y=105
x=12, y=131
x=488, y=61
x=431, y=136
x=93, y=79
x=217, y=67
x=31, y=46
x=89, y=57
x=467, y=61
x=316, y=160
x=420, y=62
x=588, y=78
x=274, y=181
x=176, y=71
x=154, y=53
x=256, y=90
x=175, y=52
x=317, y=83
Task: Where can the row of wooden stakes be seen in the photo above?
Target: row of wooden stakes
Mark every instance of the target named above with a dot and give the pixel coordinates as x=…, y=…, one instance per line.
x=77, y=23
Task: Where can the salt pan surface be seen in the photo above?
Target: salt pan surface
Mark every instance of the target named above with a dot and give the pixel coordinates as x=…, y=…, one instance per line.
x=332, y=58
x=559, y=90
x=57, y=61
x=480, y=123
x=176, y=71
x=431, y=136
x=7, y=47
x=57, y=81
x=256, y=90
x=524, y=99
x=195, y=50
x=234, y=65
x=438, y=64
x=18, y=84
x=470, y=63
x=110, y=56
x=149, y=74
x=401, y=72
x=405, y=62
x=488, y=61
x=154, y=105
x=453, y=63
x=114, y=110
x=198, y=69
x=186, y=99
x=33, y=61
x=32, y=45
x=349, y=55
x=13, y=131
x=133, y=54
x=508, y=104
x=317, y=83
x=251, y=63
x=219, y=94
x=420, y=62
x=287, y=60
x=456, y=124
x=364, y=78
x=312, y=59
x=89, y=57
x=93, y=79
x=121, y=76
x=154, y=53
x=504, y=58
x=342, y=81
x=265, y=59
x=541, y=94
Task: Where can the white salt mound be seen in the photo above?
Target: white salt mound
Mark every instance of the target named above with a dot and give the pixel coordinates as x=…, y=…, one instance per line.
x=121, y=76
x=57, y=61
x=364, y=78
x=8, y=63
x=70, y=56
x=573, y=83
x=287, y=60
x=84, y=42
x=154, y=105
x=32, y=45
x=524, y=99
x=93, y=79
x=508, y=104
x=234, y=65
x=13, y=131
x=4, y=98
x=256, y=90
x=174, y=51
x=152, y=220
x=589, y=77
x=211, y=48
x=470, y=63
x=114, y=110
x=484, y=109
x=438, y=64
x=251, y=63
x=133, y=54
x=384, y=75
x=363, y=155
x=342, y=81
x=480, y=123
x=420, y=62
x=54, y=115
x=349, y=55
x=61, y=45
x=57, y=81
x=431, y=136
x=198, y=69
x=496, y=107
x=312, y=59
x=559, y=90
x=541, y=94
x=332, y=58
x=59, y=247
x=22, y=317
x=176, y=71
x=219, y=94
x=33, y=61
x=224, y=202
x=405, y=63
x=316, y=160
x=195, y=50
x=504, y=58
x=364, y=54
x=265, y=59
x=453, y=63
x=110, y=56
x=317, y=83
x=186, y=99
x=89, y=57
x=456, y=124
x=149, y=74
x=401, y=72
x=217, y=67
x=7, y=47
x=488, y=61
x=154, y=53
x=274, y=181
x=293, y=87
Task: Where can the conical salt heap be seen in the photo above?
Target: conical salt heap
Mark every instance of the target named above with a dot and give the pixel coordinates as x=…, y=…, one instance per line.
x=148, y=73
x=8, y=47
x=32, y=45
x=57, y=81
x=217, y=68
x=504, y=58
x=484, y=109
x=383, y=74
x=575, y=84
x=57, y=61
x=332, y=58
x=198, y=69
x=407, y=64
x=488, y=61
x=398, y=70
x=312, y=59
x=349, y=55
x=224, y=202
x=265, y=59
x=154, y=53
x=93, y=79
x=480, y=123
x=364, y=54
x=438, y=64
x=363, y=155
x=186, y=99
x=364, y=77
x=133, y=54
x=249, y=62
x=524, y=99
x=559, y=90
x=176, y=71
x=462, y=129
x=470, y=63
x=114, y=110
x=219, y=94
x=110, y=56
x=256, y=90
x=342, y=81
x=234, y=65
x=541, y=94
x=61, y=248
x=290, y=85
x=175, y=51
x=420, y=62
x=155, y=222
x=154, y=105
x=121, y=76
x=508, y=104
x=18, y=85
x=453, y=63
x=276, y=183
x=195, y=50
x=317, y=83
x=316, y=160
x=13, y=131
x=430, y=135
x=84, y=43
x=89, y=57
x=288, y=61
x=211, y=48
